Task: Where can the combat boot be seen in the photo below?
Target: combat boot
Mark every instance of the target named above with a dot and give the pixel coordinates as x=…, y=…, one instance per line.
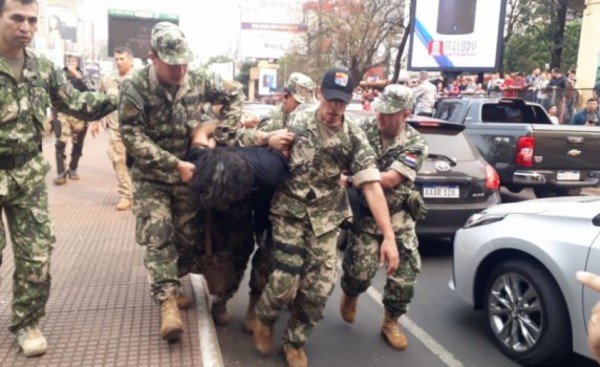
x=123, y=204
x=61, y=179
x=220, y=314
x=183, y=302
x=348, y=307
x=392, y=333
x=32, y=341
x=295, y=357
x=171, y=326
x=263, y=337
x=250, y=318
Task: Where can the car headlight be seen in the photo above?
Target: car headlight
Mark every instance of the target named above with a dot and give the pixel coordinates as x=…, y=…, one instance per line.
x=481, y=219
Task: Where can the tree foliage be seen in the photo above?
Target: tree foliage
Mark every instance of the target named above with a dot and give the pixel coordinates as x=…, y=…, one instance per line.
x=351, y=33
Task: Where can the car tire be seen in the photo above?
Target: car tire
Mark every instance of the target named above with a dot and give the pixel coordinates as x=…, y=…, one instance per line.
x=508, y=322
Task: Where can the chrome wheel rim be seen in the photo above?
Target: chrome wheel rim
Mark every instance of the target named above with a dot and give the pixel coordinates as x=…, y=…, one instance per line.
x=515, y=312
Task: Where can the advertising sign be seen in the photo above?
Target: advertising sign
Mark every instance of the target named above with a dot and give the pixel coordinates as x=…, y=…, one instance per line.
x=267, y=81
x=456, y=35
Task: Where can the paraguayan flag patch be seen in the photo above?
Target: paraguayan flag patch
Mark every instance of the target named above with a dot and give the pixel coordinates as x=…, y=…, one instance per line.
x=410, y=160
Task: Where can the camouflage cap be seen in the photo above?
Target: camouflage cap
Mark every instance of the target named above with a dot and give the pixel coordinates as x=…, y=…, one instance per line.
x=394, y=98
x=170, y=43
x=301, y=87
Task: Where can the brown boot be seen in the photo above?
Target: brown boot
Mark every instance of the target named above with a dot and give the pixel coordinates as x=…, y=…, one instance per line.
x=392, y=333
x=171, y=326
x=263, y=337
x=183, y=302
x=250, y=318
x=295, y=357
x=348, y=307
x=220, y=314
x=123, y=204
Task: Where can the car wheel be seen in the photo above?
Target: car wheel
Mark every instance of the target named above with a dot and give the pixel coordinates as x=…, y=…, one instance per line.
x=521, y=298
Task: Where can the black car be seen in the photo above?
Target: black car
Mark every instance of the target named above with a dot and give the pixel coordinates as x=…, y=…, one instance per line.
x=454, y=180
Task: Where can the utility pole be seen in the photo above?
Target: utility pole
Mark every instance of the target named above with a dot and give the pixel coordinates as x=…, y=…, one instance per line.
x=588, y=58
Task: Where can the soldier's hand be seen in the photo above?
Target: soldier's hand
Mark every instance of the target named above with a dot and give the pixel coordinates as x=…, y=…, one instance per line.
x=281, y=141
x=592, y=281
x=186, y=170
x=388, y=255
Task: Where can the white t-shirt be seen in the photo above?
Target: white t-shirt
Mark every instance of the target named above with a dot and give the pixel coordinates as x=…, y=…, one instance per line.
x=425, y=94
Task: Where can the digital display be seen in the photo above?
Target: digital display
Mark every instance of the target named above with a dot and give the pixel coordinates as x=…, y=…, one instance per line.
x=133, y=33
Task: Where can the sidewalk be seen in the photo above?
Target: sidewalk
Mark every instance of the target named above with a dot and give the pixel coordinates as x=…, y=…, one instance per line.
x=100, y=312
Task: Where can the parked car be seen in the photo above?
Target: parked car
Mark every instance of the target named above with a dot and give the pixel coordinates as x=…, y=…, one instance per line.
x=520, y=141
x=455, y=181
x=517, y=262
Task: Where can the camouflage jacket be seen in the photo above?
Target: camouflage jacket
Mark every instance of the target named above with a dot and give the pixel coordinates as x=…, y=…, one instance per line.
x=313, y=189
x=23, y=104
x=156, y=127
x=405, y=156
x=111, y=84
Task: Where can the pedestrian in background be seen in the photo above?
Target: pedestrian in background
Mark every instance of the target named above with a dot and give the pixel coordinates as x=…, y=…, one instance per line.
x=307, y=210
x=400, y=151
x=589, y=116
x=72, y=128
x=425, y=93
x=111, y=84
x=157, y=123
x=30, y=85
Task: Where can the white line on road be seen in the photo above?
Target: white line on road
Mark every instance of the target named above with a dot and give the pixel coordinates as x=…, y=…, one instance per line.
x=427, y=340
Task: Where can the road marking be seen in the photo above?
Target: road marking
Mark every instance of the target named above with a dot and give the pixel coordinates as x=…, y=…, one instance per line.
x=210, y=351
x=436, y=348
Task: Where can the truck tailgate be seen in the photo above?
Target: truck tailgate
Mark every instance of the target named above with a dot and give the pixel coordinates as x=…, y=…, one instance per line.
x=566, y=147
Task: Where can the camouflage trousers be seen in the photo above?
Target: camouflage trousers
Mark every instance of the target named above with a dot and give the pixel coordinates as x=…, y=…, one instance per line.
x=360, y=265
x=233, y=233
x=169, y=225
x=117, y=155
x=304, y=271
x=24, y=201
x=71, y=129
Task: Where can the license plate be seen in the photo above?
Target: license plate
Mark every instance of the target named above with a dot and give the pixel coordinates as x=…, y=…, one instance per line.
x=451, y=192
x=567, y=175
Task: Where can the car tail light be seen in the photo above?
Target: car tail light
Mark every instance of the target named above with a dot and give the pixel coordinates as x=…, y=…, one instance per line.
x=525, y=147
x=492, y=180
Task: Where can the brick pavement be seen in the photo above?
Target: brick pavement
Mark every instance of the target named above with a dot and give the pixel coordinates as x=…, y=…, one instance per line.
x=99, y=312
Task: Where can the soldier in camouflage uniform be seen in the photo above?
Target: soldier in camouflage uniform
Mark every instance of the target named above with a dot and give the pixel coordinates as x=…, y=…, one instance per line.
x=29, y=85
x=299, y=89
x=72, y=128
x=400, y=152
x=307, y=210
x=159, y=110
x=116, y=150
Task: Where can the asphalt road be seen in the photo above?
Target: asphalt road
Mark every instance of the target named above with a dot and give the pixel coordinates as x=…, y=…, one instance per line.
x=442, y=330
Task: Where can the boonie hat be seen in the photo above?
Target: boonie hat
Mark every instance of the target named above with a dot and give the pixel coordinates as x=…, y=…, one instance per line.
x=337, y=83
x=301, y=87
x=170, y=43
x=394, y=98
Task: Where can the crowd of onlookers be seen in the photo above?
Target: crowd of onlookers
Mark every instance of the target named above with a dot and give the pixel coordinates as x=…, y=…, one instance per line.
x=556, y=92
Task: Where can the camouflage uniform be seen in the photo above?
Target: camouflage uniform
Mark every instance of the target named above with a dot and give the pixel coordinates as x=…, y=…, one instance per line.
x=116, y=149
x=23, y=191
x=156, y=128
x=301, y=87
x=404, y=155
x=73, y=129
x=306, y=212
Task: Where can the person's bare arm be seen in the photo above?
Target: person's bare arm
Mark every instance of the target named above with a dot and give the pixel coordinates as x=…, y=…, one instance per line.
x=203, y=135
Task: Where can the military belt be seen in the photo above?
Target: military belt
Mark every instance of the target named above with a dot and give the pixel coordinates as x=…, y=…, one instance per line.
x=16, y=161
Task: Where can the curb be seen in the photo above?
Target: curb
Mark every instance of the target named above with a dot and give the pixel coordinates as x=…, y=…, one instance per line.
x=209, y=343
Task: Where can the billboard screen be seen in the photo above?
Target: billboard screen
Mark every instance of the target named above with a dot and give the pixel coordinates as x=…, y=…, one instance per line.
x=456, y=35
x=127, y=29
